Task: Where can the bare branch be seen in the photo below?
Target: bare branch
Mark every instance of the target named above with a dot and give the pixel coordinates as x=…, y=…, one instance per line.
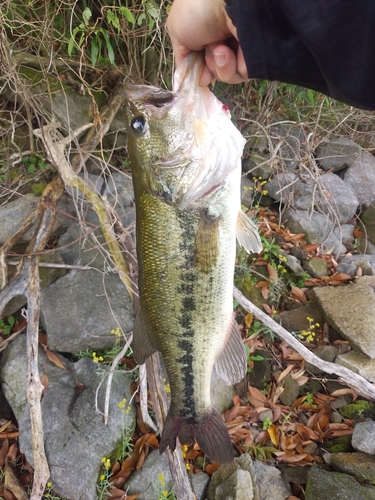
x=356, y=382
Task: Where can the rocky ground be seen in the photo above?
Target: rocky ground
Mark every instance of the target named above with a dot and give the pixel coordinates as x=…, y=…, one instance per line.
x=299, y=433
x=309, y=183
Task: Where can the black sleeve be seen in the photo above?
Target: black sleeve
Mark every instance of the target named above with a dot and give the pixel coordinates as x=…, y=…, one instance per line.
x=325, y=45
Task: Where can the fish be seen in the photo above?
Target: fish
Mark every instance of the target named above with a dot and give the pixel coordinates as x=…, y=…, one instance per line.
x=185, y=155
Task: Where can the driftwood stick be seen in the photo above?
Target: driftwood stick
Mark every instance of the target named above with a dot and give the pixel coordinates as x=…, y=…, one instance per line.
x=176, y=463
x=356, y=382
x=34, y=386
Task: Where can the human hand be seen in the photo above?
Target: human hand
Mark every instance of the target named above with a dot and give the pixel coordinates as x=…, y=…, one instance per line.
x=204, y=24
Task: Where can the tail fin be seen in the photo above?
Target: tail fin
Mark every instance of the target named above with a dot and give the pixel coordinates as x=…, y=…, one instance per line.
x=210, y=432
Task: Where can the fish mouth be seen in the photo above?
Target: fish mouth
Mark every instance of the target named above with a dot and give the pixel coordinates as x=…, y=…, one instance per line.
x=149, y=95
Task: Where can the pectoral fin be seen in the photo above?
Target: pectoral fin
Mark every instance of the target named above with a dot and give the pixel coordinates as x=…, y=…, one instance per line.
x=142, y=344
x=247, y=233
x=231, y=365
x=206, y=249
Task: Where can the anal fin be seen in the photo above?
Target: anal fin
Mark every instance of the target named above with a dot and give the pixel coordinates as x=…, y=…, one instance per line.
x=231, y=365
x=142, y=344
x=247, y=233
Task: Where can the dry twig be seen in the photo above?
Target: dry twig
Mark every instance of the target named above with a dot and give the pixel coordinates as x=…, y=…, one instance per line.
x=356, y=382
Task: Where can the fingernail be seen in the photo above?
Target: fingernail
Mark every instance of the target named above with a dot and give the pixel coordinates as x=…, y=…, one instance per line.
x=220, y=58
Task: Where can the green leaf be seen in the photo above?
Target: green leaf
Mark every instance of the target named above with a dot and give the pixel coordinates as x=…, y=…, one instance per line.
x=111, y=54
x=128, y=14
x=113, y=19
x=94, y=52
x=86, y=14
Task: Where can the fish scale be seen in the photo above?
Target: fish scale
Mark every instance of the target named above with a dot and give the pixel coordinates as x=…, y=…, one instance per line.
x=185, y=160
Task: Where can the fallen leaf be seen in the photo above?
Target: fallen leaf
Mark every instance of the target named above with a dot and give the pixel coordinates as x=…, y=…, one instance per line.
x=272, y=273
x=248, y=320
x=3, y=452
x=298, y=294
x=54, y=357
x=284, y=373
x=273, y=433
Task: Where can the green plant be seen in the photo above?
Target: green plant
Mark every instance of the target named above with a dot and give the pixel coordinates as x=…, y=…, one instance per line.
x=104, y=484
x=261, y=452
x=251, y=358
x=49, y=494
x=258, y=328
x=161, y=491
x=267, y=422
x=34, y=163
x=6, y=326
x=309, y=399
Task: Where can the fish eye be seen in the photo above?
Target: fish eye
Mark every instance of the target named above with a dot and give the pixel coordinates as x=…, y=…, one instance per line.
x=139, y=124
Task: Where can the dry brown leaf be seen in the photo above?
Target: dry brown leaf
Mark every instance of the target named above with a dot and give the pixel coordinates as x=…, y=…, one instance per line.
x=267, y=308
x=285, y=372
x=116, y=493
x=45, y=383
x=54, y=357
x=211, y=468
x=261, y=284
x=298, y=294
x=273, y=433
x=248, y=320
x=343, y=392
x=272, y=273
x=256, y=397
x=265, y=292
x=3, y=452
x=290, y=459
x=5, y=426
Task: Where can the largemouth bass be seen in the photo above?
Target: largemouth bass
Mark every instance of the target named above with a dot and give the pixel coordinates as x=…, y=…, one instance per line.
x=185, y=160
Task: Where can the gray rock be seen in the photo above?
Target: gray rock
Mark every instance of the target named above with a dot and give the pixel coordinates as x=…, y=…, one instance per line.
x=366, y=280
x=363, y=437
x=13, y=214
x=368, y=220
x=228, y=481
x=317, y=227
x=351, y=311
x=199, y=483
x=295, y=320
x=280, y=188
x=290, y=392
x=366, y=247
x=238, y=486
x=358, y=363
x=92, y=181
x=316, y=267
x=118, y=191
x=360, y=177
x=257, y=165
x=365, y=262
x=75, y=436
x=288, y=138
x=292, y=263
x=335, y=486
x=247, y=191
x=357, y=464
x=347, y=235
x=271, y=485
x=337, y=154
x=261, y=373
x=47, y=275
x=346, y=268
x=325, y=352
x=221, y=394
x=96, y=300
x=147, y=480
x=336, y=196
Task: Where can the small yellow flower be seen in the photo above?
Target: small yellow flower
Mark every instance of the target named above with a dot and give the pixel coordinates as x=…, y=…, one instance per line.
x=102, y=477
x=256, y=206
x=164, y=493
x=188, y=466
x=265, y=192
x=317, y=325
x=122, y=403
x=49, y=484
x=103, y=460
x=161, y=477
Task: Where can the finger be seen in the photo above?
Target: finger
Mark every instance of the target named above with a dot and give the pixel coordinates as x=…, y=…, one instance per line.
x=225, y=64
